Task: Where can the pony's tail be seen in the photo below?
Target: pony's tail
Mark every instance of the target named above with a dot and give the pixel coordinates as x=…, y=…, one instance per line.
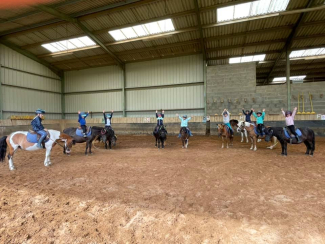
x=3, y=148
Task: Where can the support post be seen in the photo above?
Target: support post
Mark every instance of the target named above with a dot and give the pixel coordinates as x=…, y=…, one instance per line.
x=288, y=79
x=205, y=85
x=123, y=91
x=1, y=97
x=63, y=96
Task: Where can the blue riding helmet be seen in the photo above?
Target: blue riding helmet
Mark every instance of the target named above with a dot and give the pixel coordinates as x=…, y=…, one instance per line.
x=185, y=116
x=225, y=113
x=108, y=115
x=40, y=111
x=288, y=113
x=259, y=112
x=83, y=114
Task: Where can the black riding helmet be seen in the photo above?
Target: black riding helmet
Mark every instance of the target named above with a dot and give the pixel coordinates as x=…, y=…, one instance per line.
x=288, y=113
x=259, y=112
x=40, y=111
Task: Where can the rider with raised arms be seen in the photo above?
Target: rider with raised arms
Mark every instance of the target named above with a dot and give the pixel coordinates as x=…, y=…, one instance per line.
x=108, y=120
x=184, y=123
x=160, y=120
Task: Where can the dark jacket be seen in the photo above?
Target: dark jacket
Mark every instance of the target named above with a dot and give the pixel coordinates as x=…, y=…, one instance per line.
x=248, y=116
x=81, y=120
x=105, y=118
x=37, y=124
x=160, y=121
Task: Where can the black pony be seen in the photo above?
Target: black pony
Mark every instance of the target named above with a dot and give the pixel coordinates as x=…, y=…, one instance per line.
x=308, y=137
x=185, y=137
x=108, y=136
x=161, y=136
x=95, y=131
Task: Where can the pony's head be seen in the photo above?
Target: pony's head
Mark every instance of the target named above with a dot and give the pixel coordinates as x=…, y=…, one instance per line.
x=68, y=143
x=220, y=128
x=268, y=133
x=241, y=126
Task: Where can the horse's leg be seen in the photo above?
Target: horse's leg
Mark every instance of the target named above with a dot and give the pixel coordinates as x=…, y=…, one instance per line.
x=242, y=136
x=156, y=142
x=255, y=142
x=222, y=145
x=110, y=145
x=186, y=142
x=90, y=144
x=162, y=143
x=10, y=156
x=245, y=131
x=227, y=141
x=308, y=147
x=252, y=143
x=282, y=147
x=285, y=148
x=47, y=157
x=106, y=144
x=86, y=152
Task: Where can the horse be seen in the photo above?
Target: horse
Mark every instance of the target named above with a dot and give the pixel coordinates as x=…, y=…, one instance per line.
x=108, y=136
x=18, y=139
x=224, y=132
x=185, y=137
x=161, y=136
x=250, y=128
x=93, y=133
x=307, y=136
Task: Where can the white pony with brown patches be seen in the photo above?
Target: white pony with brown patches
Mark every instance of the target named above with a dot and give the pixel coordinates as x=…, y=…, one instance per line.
x=18, y=139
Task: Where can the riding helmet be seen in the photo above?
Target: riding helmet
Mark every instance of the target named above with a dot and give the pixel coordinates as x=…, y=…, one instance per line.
x=40, y=111
x=159, y=115
x=288, y=113
x=224, y=113
x=259, y=112
x=83, y=114
x=247, y=111
x=184, y=116
x=108, y=115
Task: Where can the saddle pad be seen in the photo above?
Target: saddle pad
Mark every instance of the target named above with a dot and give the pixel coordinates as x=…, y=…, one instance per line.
x=80, y=133
x=32, y=138
x=287, y=133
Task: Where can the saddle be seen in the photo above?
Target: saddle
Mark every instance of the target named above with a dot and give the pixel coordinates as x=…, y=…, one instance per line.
x=257, y=132
x=288, y=134
x=33, y=137
x=88, y=128
x=79, y=131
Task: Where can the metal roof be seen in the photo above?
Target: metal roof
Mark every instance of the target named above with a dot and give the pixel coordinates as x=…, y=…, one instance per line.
x=28, y=28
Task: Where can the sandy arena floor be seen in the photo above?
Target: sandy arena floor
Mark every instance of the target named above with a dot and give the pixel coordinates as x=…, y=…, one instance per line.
x=139, y=194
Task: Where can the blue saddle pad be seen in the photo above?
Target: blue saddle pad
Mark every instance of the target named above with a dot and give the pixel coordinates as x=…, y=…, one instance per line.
x=257, y=133
x=80, y=133
x=32, y=138
x=287, y=133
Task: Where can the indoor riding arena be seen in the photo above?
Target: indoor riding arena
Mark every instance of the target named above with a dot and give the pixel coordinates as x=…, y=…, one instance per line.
x=162, y=121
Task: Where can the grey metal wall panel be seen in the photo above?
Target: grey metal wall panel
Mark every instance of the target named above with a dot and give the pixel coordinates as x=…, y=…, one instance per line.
x=93, y=102
x=12, y=59
x=178, y=70
x=165, y=98
x=16, y=78
x=196, y=112
x=103, y=78
x=17, y=99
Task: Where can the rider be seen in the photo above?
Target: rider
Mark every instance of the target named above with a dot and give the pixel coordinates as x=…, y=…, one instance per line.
x=184, y=123
x=82, y=122
x=226, y=119
x=259, y=120
x=108, y=120
x=160, y=120
x=290, y=123
x=38, y=127
x=248, y=115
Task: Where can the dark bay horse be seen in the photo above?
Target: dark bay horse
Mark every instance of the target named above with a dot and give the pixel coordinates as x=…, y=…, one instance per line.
x=308, y=137
x=95, y=131
x=224, y=132
x=185, y=137
x=108, y=136
x=161, y=136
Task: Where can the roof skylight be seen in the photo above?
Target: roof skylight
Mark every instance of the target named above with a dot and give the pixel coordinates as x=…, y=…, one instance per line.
x=307, y=52
x=246, y=59
x=293, y=78
x=255, y=8
x=148, y=29
x=70, y=44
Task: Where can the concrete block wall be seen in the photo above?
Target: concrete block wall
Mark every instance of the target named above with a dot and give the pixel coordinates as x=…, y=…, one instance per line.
x=234, y=87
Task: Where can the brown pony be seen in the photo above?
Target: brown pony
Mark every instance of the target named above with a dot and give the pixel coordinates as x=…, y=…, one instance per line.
x=225, y=133
x=18, y=139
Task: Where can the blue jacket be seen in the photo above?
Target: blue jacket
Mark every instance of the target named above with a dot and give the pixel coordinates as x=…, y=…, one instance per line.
x=160, y=120
x=184, y=122
x=81, y=120
x=37, y=124
x=259, y=119
x=248, y=116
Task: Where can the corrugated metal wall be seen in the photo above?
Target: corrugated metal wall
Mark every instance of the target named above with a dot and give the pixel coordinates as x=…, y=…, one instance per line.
x=175, y=84
x=28, y=85
x=94, y=90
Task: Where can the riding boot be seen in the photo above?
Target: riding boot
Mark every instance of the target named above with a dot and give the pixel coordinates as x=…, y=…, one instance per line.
x=298, y=139
x=39, y=144
x=179, y=135
x=85, y=135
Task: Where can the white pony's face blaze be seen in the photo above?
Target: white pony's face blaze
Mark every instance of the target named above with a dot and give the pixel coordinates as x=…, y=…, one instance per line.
x=241, y=126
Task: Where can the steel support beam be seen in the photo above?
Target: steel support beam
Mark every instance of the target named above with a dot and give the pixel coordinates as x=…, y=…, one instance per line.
x=63, y=96
x=31, y=56
x=124, y=92
x=68, y=18
x=288, y=79
x=1, y=97
x=290, y=38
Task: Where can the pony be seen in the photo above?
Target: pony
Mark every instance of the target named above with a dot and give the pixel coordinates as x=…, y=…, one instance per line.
x=250, y=128
x=93, y=133
x=161, y=136
x=185, y=137
x=18, y=139
x=307, y=137
x=224, y=132
x=108, y=136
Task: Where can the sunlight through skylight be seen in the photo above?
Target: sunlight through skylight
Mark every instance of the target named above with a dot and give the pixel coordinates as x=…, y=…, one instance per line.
x=246, y=59
x=255, y=8
x=307, y=52
x=148, y=29
x=293, y=78
x=70, y=44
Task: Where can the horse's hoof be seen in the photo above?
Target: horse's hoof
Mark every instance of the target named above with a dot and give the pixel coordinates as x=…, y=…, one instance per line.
x=311, y=155
x=12, y=169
